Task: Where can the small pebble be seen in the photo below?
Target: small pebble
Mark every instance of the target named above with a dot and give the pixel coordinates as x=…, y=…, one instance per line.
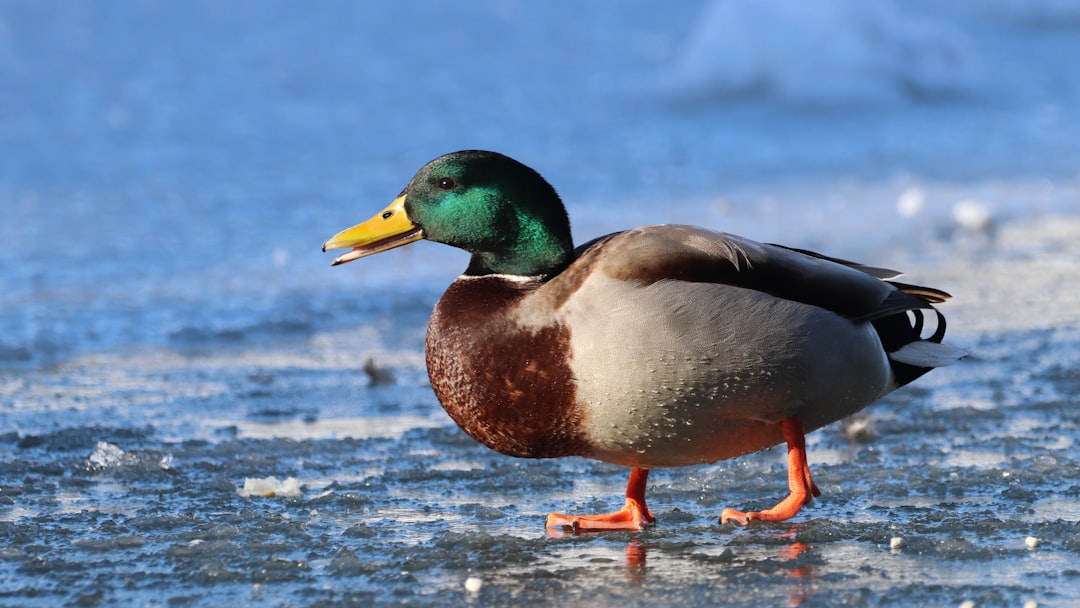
x=473, y=584
x=1031, y=604
x=967, y=604
x=1031, y=542
x=896, y=543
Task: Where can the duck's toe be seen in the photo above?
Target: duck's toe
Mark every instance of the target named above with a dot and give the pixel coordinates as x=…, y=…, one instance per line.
x=633, y=516
x=786, y=509
x=800, y=483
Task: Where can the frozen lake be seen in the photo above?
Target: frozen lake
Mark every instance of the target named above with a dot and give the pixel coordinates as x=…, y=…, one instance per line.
x=170, y=329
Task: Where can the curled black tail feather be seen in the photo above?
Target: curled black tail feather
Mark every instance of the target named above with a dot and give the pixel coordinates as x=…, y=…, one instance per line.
x=896, y=332
x=899, y=330
x=918, y=320
x=939, y=333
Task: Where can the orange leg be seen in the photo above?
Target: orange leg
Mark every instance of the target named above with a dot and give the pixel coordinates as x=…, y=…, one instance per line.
x=799, y=481
x=633, y=516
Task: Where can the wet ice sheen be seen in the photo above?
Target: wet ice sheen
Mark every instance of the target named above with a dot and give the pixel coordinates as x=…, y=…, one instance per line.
x=414, y=531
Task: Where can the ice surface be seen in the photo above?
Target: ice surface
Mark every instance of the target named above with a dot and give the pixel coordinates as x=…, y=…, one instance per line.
x=169, y=327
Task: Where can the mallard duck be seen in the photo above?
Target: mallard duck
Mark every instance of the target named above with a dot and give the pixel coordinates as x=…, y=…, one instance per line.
x=660, y=346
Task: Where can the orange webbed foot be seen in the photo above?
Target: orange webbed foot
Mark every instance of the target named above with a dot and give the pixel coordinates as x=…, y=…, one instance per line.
x=801, y=485
x=634, y=515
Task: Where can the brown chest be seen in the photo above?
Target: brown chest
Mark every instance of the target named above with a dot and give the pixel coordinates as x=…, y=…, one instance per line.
x=509, y=387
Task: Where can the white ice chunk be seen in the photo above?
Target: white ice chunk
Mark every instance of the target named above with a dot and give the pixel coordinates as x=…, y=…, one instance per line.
x=270, y=487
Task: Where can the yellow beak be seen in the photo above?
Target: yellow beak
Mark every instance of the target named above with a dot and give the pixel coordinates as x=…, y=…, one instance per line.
x=390, y=228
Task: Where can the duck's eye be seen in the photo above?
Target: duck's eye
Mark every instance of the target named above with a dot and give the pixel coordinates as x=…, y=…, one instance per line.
x=446, y=183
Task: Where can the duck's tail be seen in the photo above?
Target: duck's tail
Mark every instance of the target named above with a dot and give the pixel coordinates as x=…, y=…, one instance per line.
x=911, y=354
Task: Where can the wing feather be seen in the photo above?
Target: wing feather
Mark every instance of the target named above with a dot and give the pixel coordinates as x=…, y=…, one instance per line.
x=687, y=253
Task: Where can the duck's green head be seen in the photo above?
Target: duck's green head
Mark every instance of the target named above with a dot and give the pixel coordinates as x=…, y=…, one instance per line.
x=502, y=212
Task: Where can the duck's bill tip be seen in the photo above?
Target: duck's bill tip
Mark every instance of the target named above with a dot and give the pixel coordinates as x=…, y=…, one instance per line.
x=345, y=258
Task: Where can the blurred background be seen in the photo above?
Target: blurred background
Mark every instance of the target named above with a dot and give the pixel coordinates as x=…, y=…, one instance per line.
x=171, y=168
x=170, y=328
